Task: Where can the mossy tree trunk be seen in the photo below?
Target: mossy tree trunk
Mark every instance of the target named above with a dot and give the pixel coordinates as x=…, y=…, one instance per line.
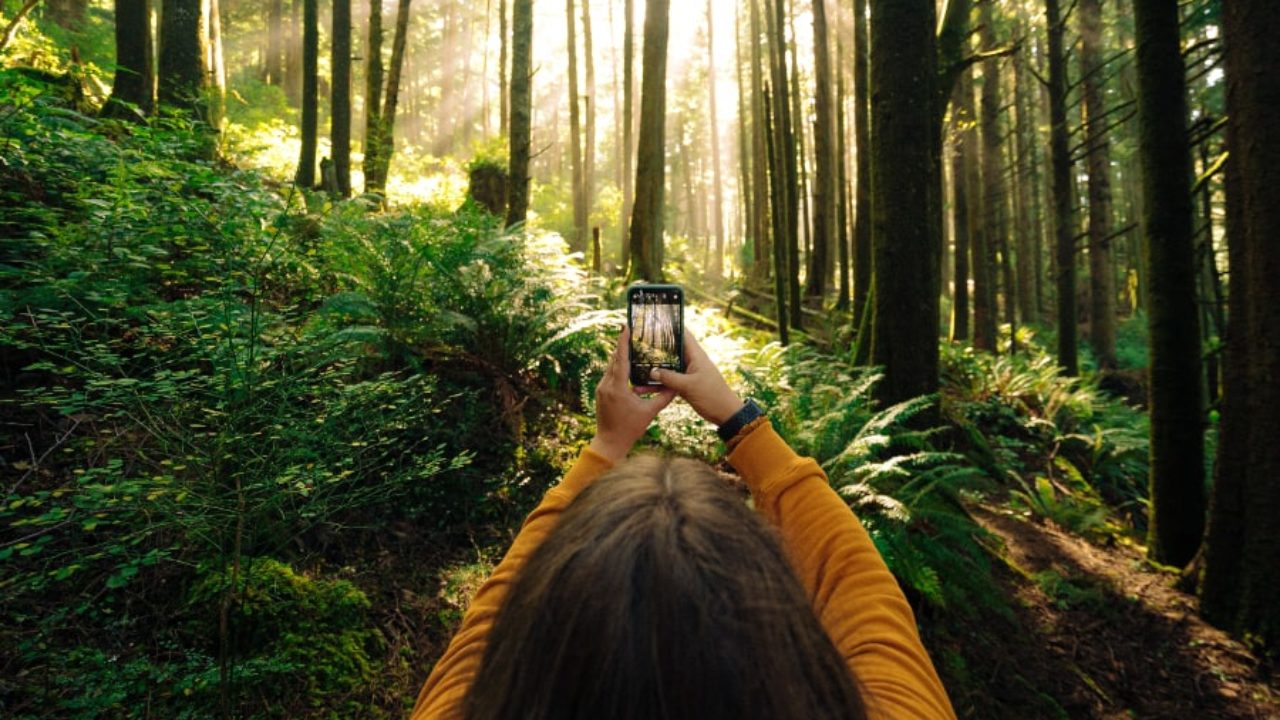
x=340, y=96
x=578, y=238
x=961, y=170
x=905, y=216
x=1060, y=177
x=1242, y=550
x=646, y=220
x=1102, y=290
x=824, y=159
x=182, y=55
x=1176, y=404
x=135, y=69
x=373, y=95
x=521, y=110
x=306, y=176
x=862, y=176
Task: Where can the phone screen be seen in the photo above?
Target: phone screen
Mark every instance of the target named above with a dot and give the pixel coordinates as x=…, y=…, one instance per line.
x=656, y=317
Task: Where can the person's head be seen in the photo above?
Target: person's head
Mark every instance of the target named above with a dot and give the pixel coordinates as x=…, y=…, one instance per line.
x=660, y=595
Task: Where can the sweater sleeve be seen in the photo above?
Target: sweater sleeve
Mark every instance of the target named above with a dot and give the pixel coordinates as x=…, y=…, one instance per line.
x=853, y=593
x=446, y=688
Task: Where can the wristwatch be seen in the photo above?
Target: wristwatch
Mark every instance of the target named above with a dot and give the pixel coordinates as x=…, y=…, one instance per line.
x=731, y=427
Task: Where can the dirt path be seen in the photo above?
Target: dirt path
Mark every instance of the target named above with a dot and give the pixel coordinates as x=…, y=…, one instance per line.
x=1102, y=634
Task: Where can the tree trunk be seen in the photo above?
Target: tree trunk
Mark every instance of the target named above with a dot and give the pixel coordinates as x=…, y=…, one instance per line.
x=306, y=176
x=1028, y=223
x=961, y=170
x=1177, y=422
x=182, y=53
x=273, y=68
x=628, y=123
x=646, y=221
x=340, y=96
x=842, y=176
x=778, y=205
x=135, y=73
x=1063, y=227
x=862, y=175
x=764, y=238
x=293, y=54
x=215, y=67
x=904, y=166
x=391, y=100
x=787, y=156
x=589, y=142
x=1102, y=291
x=1243, y=545
x=504, y=99
x=521, y=109
x=373, y=97
x=982, y=238
x=824, y=158
x=577, y=239
x=717, y=222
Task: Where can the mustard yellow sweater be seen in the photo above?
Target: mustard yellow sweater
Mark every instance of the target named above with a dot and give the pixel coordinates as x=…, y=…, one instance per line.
x=853, y=593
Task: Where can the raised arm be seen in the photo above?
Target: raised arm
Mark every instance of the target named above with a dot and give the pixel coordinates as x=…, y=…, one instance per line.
x=852, y=591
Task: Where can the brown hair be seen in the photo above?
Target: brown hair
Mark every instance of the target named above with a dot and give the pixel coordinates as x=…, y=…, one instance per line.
x=660, y=595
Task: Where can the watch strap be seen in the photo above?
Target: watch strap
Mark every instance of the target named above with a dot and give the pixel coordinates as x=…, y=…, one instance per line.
x=739, y=420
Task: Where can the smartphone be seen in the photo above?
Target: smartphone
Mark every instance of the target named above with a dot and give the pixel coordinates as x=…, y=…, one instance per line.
x=655, y=317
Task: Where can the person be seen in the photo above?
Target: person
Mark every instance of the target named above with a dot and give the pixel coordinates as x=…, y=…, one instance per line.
x=647, y=588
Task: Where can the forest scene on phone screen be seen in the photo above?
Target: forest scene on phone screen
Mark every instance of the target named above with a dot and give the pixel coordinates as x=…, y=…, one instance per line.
x=655, y=319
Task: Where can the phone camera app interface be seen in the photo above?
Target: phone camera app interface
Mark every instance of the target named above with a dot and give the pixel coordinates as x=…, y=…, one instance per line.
x=655, y=319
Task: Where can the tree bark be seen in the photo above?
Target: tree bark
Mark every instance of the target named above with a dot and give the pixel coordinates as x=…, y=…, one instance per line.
x=983, y=265
x=340, y=96
x=862, y=175
x=589, y=136
x=646, y=240
x=521, y=109
x=992, y=238
x=904, y=169
x=961, y=171
x=786, y=142
x=844, y=293
x=1177, y=423
x=306, y=176
x=824, y=176
x=577, y=239
x=717, y=222
x=215, y=66
x=135, y=70
x=778, y=205
x=182, y=54
x=391, y=99
x=1063, y=227
x=1028, y=223
x=1102, y=291
x=273, y=67
x=764, y=239
x=628, y=123
x=293, y=54
x=1243, y=544
x=504, y=99
x=373, y=97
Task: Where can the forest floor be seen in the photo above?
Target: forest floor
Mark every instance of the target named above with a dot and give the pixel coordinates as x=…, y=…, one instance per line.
x=1101, y=633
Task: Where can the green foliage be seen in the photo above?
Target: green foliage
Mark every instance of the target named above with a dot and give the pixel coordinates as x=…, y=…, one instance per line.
x=904, y=488
x=298, y=640
x=202, y=371
x=1084, y=451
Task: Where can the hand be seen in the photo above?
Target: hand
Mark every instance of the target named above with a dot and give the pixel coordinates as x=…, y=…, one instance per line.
x=622, y=415
x=701, y=384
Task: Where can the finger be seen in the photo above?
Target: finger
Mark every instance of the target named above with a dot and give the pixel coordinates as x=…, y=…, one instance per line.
x=677, y=381
x=618, y=360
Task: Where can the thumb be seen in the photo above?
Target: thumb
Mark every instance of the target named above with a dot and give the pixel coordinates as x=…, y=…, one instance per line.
x=677, y=381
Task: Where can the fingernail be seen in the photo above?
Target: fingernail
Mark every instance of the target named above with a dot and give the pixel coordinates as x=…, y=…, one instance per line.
x=655, y=374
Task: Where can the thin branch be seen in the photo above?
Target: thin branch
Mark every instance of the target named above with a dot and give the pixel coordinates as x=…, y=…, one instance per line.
x=1208, y=174
x=12, y=28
